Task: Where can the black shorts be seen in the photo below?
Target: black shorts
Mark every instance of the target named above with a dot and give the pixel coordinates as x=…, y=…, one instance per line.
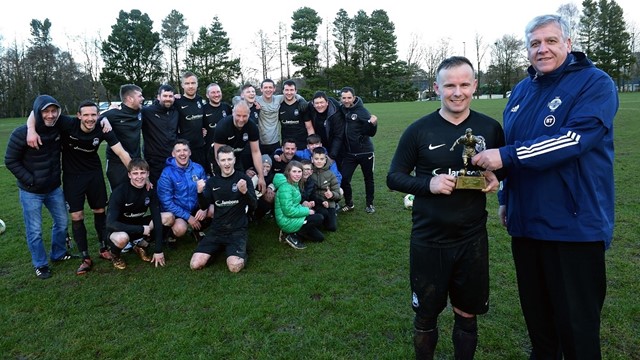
x=89, y=184
x=460, y=273
x=145, y=220
x=234, y=243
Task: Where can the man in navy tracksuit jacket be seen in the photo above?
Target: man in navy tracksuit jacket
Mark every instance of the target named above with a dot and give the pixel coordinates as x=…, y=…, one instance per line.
x=558, y=198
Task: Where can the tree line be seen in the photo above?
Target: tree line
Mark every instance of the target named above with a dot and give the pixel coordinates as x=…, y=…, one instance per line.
x=358, y=51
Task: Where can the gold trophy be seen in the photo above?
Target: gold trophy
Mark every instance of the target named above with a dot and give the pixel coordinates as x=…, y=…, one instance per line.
x=470, y=179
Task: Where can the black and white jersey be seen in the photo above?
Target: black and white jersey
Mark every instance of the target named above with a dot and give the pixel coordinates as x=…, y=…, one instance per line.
x=191, y=122
x=425, y=147
x=80, y=149
x=231, y=206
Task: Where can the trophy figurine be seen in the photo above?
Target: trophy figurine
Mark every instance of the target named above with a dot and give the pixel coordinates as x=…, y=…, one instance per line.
x=470, y=179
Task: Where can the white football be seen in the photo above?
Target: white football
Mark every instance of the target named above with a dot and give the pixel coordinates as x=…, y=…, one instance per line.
x=3, y=227
x=408, y=201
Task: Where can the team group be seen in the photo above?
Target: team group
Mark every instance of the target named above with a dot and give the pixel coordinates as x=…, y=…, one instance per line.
x=203, y=167
x=554, y=156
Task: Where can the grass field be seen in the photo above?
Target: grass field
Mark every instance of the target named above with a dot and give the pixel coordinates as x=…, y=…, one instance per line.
x=346, y=298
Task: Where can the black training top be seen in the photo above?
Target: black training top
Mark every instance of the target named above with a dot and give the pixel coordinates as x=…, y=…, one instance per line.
x=441, y=220
x=190, y=124
x=230, y=213
x=80, y=149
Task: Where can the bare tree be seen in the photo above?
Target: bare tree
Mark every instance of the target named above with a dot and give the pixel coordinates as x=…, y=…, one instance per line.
x=267, y=52
x=481, y=50
x=282, y=50
x=433, y=58
x=325, y=45
x=571, y=14
x=416, y=52
x=92, y=65
x=507, y=62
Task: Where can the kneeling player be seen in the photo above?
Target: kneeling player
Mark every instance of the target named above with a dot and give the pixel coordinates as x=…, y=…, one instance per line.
x=126, y=220
x=232, y=195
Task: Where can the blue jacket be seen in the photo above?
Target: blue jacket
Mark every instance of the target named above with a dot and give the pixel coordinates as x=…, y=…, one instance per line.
x=559, y=154
x=177, y=190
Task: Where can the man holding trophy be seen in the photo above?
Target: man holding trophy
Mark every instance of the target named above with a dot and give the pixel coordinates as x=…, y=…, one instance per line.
x=448, y=249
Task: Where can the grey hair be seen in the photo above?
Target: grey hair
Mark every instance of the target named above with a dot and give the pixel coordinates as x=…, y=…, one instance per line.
x=543, y=20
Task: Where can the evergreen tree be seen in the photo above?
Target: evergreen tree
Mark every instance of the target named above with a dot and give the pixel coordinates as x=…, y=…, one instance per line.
x=52, y=71
x=343, y=33
x=209, y=58
x=387, y=72
x=588, y=24
x=41, y=57
x=609, y=43
x=174, y=32
x=303, y=45
x=132, y=54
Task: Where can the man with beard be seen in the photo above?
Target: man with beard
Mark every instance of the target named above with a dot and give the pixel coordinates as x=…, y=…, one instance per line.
x=126, y=123
x=159, y=130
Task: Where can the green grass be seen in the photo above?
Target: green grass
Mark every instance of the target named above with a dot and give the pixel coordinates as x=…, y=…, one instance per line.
x=346, y=298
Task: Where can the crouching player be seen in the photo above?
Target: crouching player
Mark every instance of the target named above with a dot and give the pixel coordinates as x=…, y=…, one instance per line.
x=127, y=220
x=232, y=195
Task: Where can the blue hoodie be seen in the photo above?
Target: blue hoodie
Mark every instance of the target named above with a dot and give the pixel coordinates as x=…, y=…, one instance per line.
x=177, y=190
x=559, y=154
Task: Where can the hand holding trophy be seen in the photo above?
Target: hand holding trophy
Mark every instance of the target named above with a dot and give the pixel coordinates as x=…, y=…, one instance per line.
x=470, y=179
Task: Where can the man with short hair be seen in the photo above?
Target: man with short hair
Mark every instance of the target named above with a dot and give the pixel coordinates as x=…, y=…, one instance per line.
x=232, y=194
x=159, y=130
x=213, y=111
x=357, y=148
x=248, y=95
x=287, y=154
x=38, y=173
x=294, y=121
x=449, y=251
x=178, y=191
x=82, y=176
x=328, y=122
x=190, y=125
x=558, y=200
x=127, y=220
x=127, y=126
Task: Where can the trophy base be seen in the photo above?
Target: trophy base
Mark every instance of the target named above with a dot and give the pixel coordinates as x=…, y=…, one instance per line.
x=470, y=182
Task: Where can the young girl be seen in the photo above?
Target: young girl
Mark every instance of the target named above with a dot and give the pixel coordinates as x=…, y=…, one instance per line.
x=327, y=188
x=292, y=217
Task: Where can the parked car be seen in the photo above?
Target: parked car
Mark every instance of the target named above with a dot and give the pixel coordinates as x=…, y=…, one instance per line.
x=105, y=105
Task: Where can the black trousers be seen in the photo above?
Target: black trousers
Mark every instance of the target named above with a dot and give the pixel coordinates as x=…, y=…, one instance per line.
x=562, y=286
x=349, y=164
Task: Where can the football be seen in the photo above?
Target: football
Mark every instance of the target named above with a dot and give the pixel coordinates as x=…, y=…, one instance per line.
x=408, y=201
x=3, y=227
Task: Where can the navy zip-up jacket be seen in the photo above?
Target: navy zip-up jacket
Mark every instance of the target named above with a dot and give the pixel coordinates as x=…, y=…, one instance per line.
x=559, y=154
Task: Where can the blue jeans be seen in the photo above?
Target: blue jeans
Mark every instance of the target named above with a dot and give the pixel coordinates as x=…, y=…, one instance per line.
x=32, y=213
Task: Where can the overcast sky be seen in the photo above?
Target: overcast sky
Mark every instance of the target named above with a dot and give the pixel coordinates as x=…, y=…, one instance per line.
x=430, y=22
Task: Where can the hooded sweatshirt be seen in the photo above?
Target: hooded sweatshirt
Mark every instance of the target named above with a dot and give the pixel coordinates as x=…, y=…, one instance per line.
x=559, y=154
x=36, y=170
